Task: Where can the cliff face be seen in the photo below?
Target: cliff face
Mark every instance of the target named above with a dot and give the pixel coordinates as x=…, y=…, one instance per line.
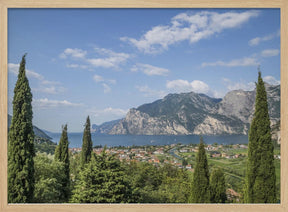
x=139, y=123
x=192, y=113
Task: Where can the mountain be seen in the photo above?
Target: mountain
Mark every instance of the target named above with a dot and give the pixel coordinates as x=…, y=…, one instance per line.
x=104, y=128
x=241, y=104
x=192, y=113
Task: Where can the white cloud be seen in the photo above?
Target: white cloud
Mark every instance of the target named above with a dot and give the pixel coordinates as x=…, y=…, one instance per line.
x=111, y=59
x=107, y=88
x=148, y=92
x=50, y=90
x=190, y=27
x=14, y=69
x=257, y=40
x=186, y=86
x=270, y=52
x=150, y=70
x=115, y=111
x=76, y=66
x=271, y=80
x=106, y=58
x=47, y=82
x=45, y=86
x=107, y=114
x=46, y=103
x=105, y=82
x=98, y=78
x=247, y=61
x=75, y=53
x=246, y=86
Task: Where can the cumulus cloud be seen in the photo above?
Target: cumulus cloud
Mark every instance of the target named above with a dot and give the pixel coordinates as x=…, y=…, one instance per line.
x=189, y=27
x=74, y=53
x=150, y=70
x=270, y=52
x=257, y=40
x=271, y=80
x=148, y=92
x=186, y=86
x=48, y=104
x=246, y=61
x=109, y=59
x=106, y=58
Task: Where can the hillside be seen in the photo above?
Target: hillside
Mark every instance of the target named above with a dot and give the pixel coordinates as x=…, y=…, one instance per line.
x=42, y=141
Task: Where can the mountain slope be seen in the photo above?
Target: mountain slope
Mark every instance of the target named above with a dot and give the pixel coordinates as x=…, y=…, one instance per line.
x=104, y=128
x=192, y=113
x=39, y=134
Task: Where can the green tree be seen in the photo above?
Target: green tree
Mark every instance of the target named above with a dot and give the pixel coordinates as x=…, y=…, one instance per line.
x=217, y=187
x=62, y=155
x=21, y=143
x=260, y=174
x=200, y=183
x=102, y=181
x=49, y=175
x=87, y=144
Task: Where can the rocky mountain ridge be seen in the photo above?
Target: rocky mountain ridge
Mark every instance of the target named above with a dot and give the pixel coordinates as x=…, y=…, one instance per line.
x=192, y=113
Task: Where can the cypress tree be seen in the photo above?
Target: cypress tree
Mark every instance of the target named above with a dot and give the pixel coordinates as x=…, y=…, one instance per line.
x=62, y=155
x=21, y=143
x=260, y=174
x=217, y=187
x=200, y=184
x=87, y=144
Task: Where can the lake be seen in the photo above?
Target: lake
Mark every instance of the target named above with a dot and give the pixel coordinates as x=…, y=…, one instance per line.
x=75, y=139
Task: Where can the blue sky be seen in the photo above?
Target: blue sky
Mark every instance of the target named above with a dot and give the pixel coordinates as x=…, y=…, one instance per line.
x=102, y=62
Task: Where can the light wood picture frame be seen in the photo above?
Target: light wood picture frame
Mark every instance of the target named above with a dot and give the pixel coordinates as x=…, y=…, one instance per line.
x=6, y=4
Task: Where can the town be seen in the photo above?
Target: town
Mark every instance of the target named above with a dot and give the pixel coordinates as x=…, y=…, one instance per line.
x=179, y=155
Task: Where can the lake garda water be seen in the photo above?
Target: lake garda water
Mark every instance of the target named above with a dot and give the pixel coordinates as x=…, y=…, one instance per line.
x=75, y=139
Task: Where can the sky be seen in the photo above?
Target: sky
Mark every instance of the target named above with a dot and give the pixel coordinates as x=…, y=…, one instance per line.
x=102, y=62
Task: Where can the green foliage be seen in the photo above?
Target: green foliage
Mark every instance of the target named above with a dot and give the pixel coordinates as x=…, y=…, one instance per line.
x=49, y=175
x=217, y=187
x=260, y=175
x=102, y=181
x=200, y=188
x=175, y=186
x=151, y=184
x=44, y=145
x=62, y=155
x=75, y=168
x=87, y=144
x=21, y=143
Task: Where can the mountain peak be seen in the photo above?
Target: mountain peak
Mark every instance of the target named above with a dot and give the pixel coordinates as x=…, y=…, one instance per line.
x=193, y=113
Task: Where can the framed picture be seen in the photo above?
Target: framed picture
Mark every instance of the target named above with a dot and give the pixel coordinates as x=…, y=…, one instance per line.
x=151, y=79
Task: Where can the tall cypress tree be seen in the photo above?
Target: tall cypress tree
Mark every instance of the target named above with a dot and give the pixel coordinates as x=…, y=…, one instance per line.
x=62, y=155
x=200, y=184
x=87, y=144
x=21, y=143
x=217, y=186
x=260, y=174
